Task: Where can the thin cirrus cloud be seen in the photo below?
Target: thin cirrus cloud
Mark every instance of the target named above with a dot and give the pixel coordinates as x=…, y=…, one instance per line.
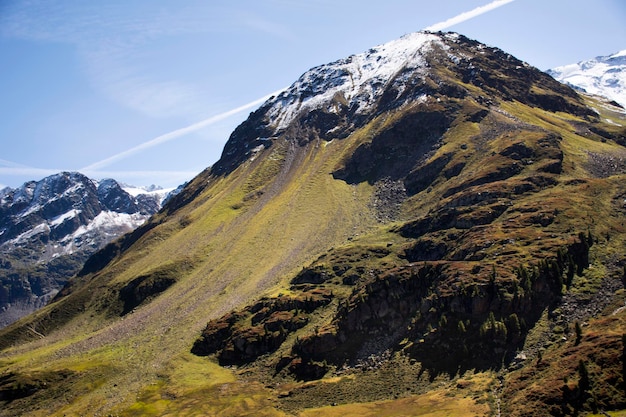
x=109, y=61
x=14, y=168
x=118, y=46
x=108, y=41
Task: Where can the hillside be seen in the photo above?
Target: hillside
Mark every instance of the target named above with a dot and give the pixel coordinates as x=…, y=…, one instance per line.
x=432, y=227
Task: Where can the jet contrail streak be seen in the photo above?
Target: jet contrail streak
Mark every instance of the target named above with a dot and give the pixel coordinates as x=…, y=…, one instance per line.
x=175, y=134
x=467, y=15
x=207, y=122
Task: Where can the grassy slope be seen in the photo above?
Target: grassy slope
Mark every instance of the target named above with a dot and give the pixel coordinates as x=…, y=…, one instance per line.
x=280, y=213
x=229, y=221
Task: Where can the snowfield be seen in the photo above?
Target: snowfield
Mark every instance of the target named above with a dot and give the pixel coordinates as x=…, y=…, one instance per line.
x=603, y=76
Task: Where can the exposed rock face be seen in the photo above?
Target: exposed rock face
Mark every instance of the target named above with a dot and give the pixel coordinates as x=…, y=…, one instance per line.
x=272, y=320
x=48, y=228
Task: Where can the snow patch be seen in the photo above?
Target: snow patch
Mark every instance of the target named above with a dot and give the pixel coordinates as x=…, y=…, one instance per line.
x=619, y=54
x=30, y=210
x=109, y=221
x=40, y=228
x=63, y=217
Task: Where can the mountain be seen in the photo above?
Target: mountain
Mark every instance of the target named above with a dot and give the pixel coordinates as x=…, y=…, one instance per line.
x=429, y=225
x=604, y=76
x=48, y=229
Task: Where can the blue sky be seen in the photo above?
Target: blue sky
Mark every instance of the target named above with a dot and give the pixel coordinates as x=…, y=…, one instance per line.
x=149, y=91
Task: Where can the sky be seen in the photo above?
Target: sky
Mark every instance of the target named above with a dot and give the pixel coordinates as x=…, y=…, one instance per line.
x=148, y=91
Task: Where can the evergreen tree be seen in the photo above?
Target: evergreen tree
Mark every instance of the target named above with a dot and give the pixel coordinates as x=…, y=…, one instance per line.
x=584, y=382
x=571, y=270
x=579, y=333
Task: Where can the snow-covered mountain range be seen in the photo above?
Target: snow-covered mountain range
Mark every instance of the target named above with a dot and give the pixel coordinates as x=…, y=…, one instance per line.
x=49, y=227
x=603, y=75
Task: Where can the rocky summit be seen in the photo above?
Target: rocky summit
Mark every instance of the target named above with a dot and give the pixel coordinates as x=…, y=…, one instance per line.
x=431, y=224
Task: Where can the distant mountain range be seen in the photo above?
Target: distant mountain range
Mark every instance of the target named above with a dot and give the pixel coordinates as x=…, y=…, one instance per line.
x=603, y=75
x=48, y=228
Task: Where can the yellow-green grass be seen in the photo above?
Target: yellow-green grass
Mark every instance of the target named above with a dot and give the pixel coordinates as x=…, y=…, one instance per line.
x=432, y=404
x=235, y=253
x=249, y=234
x=468, y=397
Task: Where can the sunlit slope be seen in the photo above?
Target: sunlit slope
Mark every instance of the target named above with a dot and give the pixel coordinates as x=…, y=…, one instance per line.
x=242, y=235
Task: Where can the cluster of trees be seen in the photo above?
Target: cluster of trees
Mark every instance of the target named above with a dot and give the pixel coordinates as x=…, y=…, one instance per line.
x=560, y=270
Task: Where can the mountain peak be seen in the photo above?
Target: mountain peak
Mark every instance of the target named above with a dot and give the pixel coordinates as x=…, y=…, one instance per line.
x=417, y=217
x=330, y=101
x=355, y=82
x=48, y=227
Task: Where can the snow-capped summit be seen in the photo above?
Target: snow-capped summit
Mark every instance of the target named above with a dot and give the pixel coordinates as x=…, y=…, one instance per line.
x=603, y=75
x=356, y=80
x=332, y=100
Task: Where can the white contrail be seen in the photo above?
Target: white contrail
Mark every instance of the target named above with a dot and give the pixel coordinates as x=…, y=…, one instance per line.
x=211, y=120
x=176, y=134
x=467, y=15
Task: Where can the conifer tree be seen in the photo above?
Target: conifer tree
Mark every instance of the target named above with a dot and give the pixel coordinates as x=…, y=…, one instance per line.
x=579, y=333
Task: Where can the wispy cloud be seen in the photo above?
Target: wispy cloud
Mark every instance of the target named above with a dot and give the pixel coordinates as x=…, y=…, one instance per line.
x=14, y=169
x=467, y=15
x=17, y=170
x=167, y=178
x=121, y=77
x=121, y=46
x=175, y=134
x=10, y=164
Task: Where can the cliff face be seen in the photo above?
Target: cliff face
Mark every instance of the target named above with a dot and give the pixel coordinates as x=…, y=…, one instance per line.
x=429, y=207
